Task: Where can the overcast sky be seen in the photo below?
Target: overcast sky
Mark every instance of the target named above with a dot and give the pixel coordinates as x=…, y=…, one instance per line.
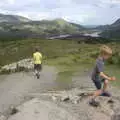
x=90, y=12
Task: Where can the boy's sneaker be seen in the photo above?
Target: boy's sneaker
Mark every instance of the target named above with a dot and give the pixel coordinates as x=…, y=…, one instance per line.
x=106, y=94
x=94, y=103
x=38, y=76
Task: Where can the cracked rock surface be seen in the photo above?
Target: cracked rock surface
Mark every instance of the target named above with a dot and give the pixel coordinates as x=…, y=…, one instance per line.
x=66, y=105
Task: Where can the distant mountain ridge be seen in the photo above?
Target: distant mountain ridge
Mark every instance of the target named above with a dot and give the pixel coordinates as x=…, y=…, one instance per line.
x=110, y=31
x=116, y=23
x=13, y=18
x=12, y=25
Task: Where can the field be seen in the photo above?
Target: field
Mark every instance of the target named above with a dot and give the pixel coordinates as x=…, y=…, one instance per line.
x=68, y=56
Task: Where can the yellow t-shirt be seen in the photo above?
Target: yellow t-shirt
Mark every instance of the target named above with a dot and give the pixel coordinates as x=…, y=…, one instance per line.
x=37, y=58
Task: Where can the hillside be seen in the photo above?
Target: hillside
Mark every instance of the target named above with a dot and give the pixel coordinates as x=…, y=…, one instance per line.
x=12, y=18
x=111, y=31
x=102, y=27
x=11, y=28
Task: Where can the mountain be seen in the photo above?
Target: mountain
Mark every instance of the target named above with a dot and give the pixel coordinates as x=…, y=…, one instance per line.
x=38, y=28
x=12, y=18
x=90, y=26
x=57, y=26
x=116, y=23
x=102, y=27
x=112, y=31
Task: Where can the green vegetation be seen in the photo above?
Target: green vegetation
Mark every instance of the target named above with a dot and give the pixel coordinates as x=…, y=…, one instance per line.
x=68, y=56
x=114, y=71
x=17, y=27
x=57, y=52
x=36, y=29
x=13, y=27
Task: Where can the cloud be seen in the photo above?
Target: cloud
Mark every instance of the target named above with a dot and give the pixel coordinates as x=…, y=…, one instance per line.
x=80, y=11
x=11, y=1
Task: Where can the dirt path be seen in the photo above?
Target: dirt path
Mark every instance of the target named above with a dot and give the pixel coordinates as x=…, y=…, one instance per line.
x=14, y=87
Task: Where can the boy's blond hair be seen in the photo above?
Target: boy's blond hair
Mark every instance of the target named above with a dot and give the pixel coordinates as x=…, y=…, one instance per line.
x=105, y=50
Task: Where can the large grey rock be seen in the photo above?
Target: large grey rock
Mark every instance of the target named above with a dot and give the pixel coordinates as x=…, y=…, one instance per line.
x=41, y=110
x=80, y=97
x=67, y=105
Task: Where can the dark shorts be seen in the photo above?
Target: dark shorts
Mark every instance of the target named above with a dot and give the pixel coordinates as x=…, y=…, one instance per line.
x=98, y=83
x=38, y=67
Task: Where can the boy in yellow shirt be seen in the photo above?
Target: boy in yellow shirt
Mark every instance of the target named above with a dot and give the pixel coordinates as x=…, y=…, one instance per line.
x=37, y=59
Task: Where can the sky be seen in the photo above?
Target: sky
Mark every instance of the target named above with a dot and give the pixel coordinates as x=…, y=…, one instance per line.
x=86, y=12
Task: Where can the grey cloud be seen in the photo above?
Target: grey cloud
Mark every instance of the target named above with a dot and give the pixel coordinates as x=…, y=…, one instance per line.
x=85, y=11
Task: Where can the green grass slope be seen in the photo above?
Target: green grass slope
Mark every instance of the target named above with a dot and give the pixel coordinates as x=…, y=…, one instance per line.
x=44, y=27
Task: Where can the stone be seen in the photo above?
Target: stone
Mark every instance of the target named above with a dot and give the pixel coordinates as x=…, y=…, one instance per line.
x=54, y=98
x=76, y=100
x=116, y=117
x=65, y=98
x=2, y=117
x=13, y=110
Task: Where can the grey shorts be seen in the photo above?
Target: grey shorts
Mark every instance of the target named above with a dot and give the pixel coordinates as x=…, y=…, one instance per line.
x=98, y=82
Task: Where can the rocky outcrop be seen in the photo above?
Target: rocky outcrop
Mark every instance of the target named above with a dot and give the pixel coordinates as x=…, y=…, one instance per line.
x=23, y=65
x=64, y=105
x=2, y=117
x=116, y=116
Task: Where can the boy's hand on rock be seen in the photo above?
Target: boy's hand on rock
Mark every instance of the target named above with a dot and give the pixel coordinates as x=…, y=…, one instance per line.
x=113, y=78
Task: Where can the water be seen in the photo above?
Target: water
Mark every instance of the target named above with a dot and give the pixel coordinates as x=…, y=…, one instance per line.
x=95, y=34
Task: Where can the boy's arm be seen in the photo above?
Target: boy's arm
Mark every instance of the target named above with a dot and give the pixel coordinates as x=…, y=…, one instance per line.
x=106, y=77
x=100, y=68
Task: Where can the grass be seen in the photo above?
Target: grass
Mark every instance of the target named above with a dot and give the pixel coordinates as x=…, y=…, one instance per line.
x=67, y=55
x=114, y=71
x=51, y=49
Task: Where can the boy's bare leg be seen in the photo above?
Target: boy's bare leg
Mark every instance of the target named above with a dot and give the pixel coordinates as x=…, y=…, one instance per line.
x=105, y=92
x=97, y=93
x=105, y=85
x=35, y=71
x=92, y=101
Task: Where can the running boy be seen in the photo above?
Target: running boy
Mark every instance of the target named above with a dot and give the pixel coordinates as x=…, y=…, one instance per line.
x=37, y=58
x=98, y=75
